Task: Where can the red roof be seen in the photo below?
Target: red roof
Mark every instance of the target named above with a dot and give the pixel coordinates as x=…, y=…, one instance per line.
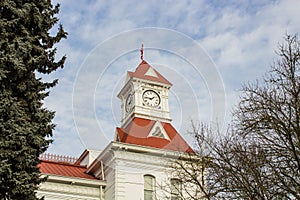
x=141, y=72
x=137, y=132
x=64, y=169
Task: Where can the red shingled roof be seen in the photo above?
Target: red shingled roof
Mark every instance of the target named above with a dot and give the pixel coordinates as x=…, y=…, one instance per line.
x=137, y=132
x=141, y=71
x=64, y=169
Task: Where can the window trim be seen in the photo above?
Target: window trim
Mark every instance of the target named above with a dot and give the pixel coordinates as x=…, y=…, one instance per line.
x=176, y=194
x=153, y=189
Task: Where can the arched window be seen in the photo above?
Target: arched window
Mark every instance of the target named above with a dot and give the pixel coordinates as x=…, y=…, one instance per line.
x=176, y=189
x=149, y=187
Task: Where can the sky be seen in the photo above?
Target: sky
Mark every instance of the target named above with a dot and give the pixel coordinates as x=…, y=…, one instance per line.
x=207, y=49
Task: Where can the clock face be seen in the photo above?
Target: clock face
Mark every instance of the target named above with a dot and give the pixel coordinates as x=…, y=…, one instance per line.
x=129, y=102
x=151, y=98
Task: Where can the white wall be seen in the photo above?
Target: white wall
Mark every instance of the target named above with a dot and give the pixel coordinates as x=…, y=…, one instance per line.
x=126, y=170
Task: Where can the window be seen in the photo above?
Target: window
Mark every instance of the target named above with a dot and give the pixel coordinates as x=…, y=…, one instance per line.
x=176, y=188
x=149, y=187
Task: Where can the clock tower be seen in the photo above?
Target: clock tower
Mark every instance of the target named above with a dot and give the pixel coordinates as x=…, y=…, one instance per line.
x=145, y=111
x=145, y=95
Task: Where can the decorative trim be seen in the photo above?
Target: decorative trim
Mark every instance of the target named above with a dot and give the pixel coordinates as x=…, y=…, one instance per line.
x=57, y=158
x=158, y=131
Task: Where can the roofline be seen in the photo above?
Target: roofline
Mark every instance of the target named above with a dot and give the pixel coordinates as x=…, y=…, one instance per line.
x=152, y=82
x=133, y=78
x=157, y=151
x=147, y=149
x=82, y=156
x=90, y=167
x=145, y=62
x=141, y=149
x=74, y=180
x=138, y=149
x=63, y=163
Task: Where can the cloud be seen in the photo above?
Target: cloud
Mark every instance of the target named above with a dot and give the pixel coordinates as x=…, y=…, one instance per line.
x=239, y=36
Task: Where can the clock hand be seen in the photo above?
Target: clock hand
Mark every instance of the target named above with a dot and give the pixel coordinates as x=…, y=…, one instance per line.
x=149, y=98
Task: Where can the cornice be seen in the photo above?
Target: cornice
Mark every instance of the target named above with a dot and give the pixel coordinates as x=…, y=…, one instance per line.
x=74, y=180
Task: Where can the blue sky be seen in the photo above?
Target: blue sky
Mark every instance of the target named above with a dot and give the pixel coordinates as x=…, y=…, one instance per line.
x=207, y=49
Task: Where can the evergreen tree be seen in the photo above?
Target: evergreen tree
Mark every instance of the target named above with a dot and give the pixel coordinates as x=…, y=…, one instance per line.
x=26, y=50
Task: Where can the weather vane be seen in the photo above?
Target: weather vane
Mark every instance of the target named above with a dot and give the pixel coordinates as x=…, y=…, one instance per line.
x=142, y=52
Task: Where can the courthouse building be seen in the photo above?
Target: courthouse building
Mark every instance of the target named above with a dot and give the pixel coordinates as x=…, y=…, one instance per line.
x=136, y=164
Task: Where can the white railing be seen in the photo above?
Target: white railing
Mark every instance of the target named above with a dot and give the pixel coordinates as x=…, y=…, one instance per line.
x=57, y=158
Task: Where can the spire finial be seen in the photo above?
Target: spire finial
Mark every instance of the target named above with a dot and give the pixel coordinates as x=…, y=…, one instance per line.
x=142, y=52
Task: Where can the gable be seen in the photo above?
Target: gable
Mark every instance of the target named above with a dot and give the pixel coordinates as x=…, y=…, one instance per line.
x=145, y=71
x=158, y=131
x=138, y=132
x=151, y=72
